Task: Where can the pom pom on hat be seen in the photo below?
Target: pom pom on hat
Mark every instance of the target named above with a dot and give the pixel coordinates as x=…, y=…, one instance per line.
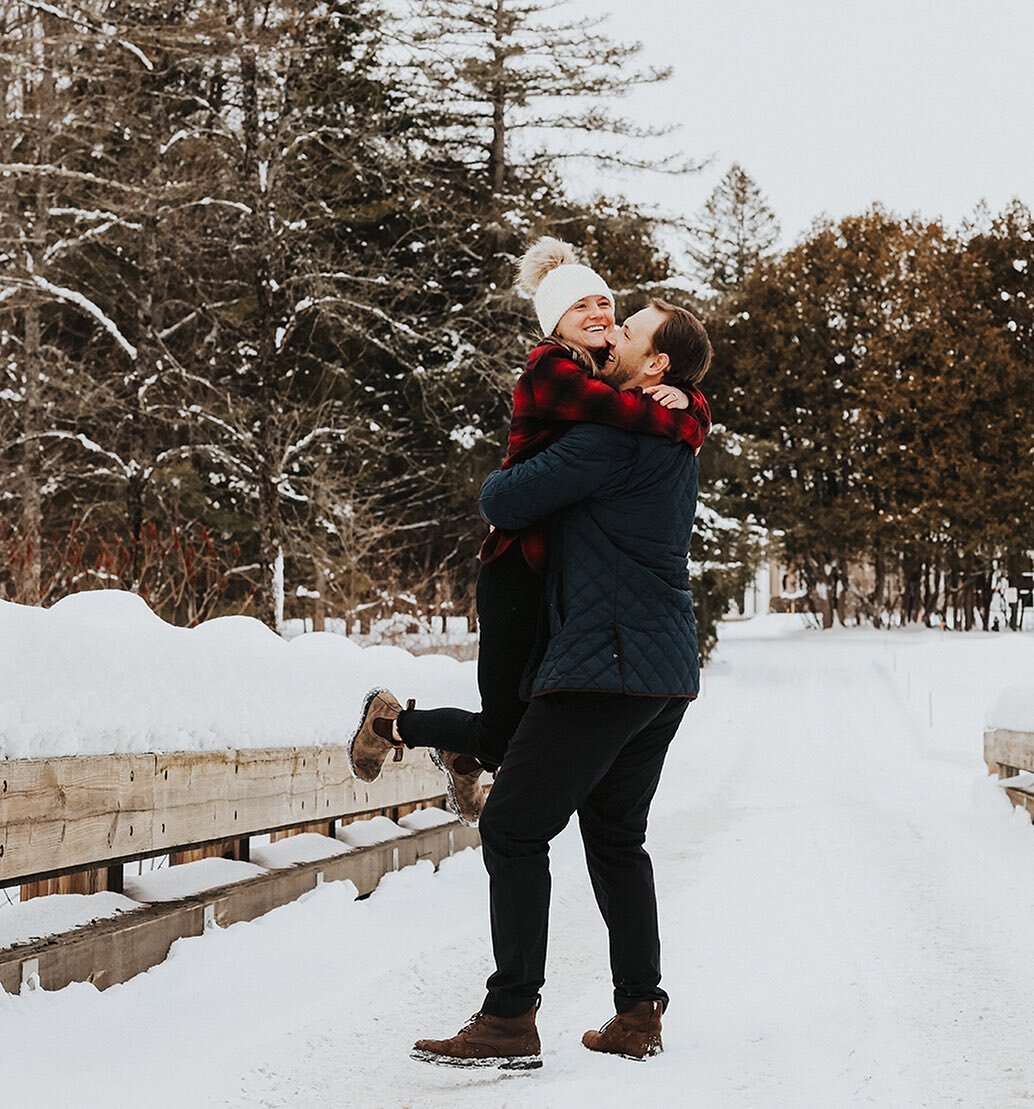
x=551, y=274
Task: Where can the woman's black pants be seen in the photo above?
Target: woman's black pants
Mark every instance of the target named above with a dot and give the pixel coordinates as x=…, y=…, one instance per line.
x=509, y=599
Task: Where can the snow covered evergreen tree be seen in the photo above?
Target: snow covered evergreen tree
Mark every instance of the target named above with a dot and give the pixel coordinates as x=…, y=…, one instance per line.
x=271, y=281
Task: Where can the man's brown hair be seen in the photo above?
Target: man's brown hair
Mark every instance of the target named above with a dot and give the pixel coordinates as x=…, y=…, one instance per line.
x=683, y=338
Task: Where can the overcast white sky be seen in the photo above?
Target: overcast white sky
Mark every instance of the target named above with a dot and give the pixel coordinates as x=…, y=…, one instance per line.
x=831, y=105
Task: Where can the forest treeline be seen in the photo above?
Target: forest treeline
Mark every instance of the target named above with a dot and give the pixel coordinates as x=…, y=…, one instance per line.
x=258, y=334
x=881, y=373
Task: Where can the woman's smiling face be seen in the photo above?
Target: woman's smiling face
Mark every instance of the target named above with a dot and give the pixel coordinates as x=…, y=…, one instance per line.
x=587, y=322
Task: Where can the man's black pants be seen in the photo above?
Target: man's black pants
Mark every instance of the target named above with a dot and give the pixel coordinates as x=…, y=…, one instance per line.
x=600, y=755
x=509, y=599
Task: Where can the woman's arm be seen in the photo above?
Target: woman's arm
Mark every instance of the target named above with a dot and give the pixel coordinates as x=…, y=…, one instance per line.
x=560, y=390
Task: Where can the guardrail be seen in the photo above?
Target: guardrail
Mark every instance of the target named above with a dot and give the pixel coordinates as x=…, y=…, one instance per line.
x=69, y=825
x=60, y=816
x=1010, y=755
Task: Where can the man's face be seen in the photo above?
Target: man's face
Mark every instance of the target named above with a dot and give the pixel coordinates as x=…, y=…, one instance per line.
x=632, y=359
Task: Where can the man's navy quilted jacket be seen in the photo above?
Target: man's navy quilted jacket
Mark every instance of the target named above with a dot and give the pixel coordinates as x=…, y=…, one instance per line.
x=617, y=592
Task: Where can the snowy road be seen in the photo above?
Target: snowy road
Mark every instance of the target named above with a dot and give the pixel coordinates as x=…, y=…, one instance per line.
x=846, y=904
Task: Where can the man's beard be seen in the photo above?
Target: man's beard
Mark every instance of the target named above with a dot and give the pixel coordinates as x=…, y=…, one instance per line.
x=614, y=374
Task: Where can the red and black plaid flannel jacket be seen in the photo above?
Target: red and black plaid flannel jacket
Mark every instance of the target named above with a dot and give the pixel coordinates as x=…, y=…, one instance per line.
x=555, y=392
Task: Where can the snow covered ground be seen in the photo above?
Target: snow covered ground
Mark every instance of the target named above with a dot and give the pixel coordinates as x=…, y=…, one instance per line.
x=846, y=910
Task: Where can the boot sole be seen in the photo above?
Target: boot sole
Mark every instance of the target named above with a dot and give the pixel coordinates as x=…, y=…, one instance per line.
x=450, y=788
x=625, y=1055
x=622, y=1055
x=500, y=1062
x=359, y=727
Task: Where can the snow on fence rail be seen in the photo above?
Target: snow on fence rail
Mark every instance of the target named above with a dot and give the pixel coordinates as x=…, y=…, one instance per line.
x=97, y=688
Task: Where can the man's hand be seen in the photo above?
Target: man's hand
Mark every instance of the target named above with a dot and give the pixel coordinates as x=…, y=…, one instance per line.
x=667, y=396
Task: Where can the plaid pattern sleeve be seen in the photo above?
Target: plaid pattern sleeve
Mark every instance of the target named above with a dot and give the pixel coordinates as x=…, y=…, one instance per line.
x=560, y=390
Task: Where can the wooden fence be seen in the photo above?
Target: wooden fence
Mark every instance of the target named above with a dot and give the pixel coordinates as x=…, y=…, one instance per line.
x=1010, y=755
x=69, y=825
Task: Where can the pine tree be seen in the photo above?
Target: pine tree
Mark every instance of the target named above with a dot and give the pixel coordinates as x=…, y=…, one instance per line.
x=733, y=231
x=485, y=78
x=506, y=72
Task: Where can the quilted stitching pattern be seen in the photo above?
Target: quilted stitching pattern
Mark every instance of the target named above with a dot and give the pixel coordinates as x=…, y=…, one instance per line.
x=620, y=617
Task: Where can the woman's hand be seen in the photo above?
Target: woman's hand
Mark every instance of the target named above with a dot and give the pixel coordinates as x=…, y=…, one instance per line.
x=667, y=395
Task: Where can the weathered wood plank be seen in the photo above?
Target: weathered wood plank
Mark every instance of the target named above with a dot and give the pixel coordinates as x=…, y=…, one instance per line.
x=61, y=814
x=237, y=849
x=1009, y=749
x=83, y=881
x=74, y=787
x=321, y=828
x=49, y=845
x=1021, y=800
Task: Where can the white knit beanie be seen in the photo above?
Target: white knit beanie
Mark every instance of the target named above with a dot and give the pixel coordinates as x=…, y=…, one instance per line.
x=550, y=272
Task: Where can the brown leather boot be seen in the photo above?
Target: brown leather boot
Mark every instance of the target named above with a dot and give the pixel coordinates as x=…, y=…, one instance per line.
x=634, y=1034
x=509, y=1043
x=374, y=738
x=463, y=783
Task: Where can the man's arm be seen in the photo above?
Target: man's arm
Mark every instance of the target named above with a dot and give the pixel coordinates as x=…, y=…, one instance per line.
x=569, y=471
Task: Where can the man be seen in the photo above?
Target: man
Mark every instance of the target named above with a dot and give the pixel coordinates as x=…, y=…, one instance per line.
x=609, y=693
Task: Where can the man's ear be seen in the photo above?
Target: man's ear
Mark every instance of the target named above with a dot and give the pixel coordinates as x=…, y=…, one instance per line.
x=659, y=366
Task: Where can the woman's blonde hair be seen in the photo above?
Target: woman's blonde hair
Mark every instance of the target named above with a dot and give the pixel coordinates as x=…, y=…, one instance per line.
x=578, y=354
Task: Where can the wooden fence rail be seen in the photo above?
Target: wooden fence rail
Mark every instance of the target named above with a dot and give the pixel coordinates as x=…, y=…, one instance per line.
x=110, y=951
x=71, y=824
x=64, y=815
x=1010, y=755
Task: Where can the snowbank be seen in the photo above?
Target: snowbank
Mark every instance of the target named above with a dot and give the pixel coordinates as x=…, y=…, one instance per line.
x=772, y=625
x=365, y=833
x=1013, y=709
x=822, y=946
x=100, y=673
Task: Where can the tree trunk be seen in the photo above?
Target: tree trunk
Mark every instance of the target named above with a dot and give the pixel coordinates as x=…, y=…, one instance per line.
x=876, y=598
x=319, y=612
x=29, y=580
x=985, y=593
x=270, y=596
x=29, y=583
x=1015, y=565
x=497, y=150
x=256, y=180
x=934, y=589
